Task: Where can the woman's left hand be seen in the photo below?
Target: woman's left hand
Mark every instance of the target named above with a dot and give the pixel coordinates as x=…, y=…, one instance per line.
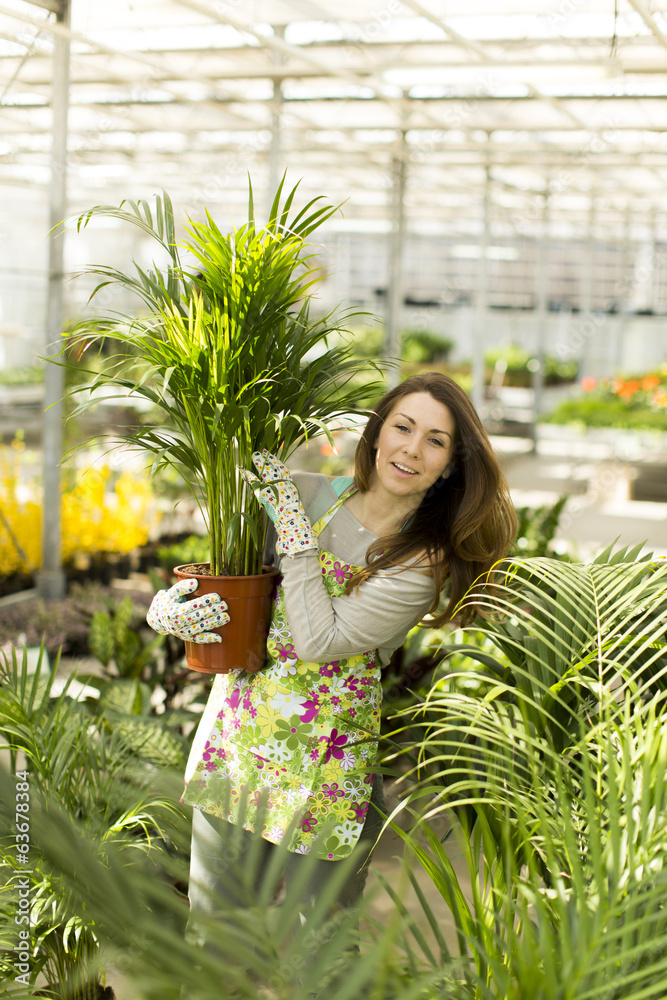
x=279, y=496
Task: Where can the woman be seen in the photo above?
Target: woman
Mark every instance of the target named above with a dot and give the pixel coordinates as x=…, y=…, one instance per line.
x=290, y=750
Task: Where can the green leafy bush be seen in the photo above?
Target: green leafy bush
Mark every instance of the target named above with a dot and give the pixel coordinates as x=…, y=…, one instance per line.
x=519, y=364
x=22, y=375
x=633, y=403
x=550, y=787
x=95, y=773
x=193, y=549
x=424, y=347
x=111, y=637
x=417, y=346
x=537, y=530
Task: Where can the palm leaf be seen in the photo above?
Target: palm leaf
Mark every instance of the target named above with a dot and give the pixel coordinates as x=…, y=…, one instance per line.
x=562, y=768
x=223, y=354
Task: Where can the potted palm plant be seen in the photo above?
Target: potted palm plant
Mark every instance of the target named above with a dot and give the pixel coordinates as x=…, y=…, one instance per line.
x=232, y=361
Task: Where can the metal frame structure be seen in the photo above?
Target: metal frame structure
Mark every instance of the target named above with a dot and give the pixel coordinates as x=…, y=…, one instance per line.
x=486, y=122
x=51, y=577
x=184, y=93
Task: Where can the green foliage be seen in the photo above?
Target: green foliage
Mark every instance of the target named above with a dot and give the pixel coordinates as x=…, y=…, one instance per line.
x=229, y=356
x=22, y=375
x=424, y=347
x=256, y=952
x=602, y=410
x=367, y=341
x=112, y=637
x=193, y=549
x=133, y=674
x=537, y=529
x=517, y=364
x=551, y=776
x=636, y=402
x=417, y=346
x=82, y=768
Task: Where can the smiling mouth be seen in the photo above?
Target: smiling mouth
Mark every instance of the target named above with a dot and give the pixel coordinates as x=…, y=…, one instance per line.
x=404, y=468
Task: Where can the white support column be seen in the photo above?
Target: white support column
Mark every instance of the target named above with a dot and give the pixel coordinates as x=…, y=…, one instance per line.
x=482, y=298
x=653, y=294
x=392, y=344
x=275, y=147
x=588, y=277
x=624, y=304
x=51, y=578
x=541, y=314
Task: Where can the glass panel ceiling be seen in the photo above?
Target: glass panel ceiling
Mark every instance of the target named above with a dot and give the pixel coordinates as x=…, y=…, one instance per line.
x=521, y=98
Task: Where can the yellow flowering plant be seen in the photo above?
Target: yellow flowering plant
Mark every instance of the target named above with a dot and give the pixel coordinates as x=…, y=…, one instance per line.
x=103, y=512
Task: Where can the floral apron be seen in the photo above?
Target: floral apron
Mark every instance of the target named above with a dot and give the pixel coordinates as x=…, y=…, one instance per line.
x=303, y=734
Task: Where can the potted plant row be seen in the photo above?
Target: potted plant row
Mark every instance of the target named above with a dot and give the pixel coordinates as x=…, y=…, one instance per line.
x=232, y=358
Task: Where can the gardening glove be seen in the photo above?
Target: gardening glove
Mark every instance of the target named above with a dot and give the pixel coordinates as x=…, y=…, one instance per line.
x=282, y=503
x=171, y=613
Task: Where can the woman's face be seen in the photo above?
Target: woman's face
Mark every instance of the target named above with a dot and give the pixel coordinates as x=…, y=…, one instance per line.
x=415, y=445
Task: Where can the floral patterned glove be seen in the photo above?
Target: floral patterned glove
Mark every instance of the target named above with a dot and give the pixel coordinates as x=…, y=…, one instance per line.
x=282, y=503
x=171, y=613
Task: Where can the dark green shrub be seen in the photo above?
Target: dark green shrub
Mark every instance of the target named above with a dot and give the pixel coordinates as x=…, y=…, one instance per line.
x=425, y=347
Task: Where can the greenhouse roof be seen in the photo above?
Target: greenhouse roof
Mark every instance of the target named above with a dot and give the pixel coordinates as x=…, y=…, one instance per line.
x=477, y=99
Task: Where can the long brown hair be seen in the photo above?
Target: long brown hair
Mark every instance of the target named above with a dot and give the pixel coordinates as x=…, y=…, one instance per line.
x=464, y=524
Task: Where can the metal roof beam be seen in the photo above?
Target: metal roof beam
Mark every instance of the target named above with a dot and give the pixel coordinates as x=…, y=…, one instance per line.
x=54, y=6
x=163, y=82
x=509, y=158
x=67, y=33
x=466, y=43
x=481, y=52
x=366, y=79
x=238, y=72
x=274, y=42
x=649, y=21
x=277, y=43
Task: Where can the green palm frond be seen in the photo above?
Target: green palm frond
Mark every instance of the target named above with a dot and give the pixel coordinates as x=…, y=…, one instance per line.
x=553, y=781
x=78, y=766
x=229, y=356
x=259, y=951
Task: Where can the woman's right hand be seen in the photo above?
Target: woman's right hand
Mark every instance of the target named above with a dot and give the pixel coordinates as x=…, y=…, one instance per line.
x=280, y=498
x=171, y=613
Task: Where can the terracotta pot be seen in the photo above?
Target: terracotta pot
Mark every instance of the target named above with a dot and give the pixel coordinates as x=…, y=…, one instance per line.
x=248, y=600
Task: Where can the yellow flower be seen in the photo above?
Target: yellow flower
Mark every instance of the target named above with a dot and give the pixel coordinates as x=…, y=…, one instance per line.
x=342, y=810
x=98, y=514
x=265, y=719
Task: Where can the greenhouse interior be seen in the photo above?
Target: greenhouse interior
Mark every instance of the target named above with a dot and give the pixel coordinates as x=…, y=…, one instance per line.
x=230, y=228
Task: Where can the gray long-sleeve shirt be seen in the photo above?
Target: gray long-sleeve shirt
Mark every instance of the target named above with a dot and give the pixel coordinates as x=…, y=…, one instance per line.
x=379, y=615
